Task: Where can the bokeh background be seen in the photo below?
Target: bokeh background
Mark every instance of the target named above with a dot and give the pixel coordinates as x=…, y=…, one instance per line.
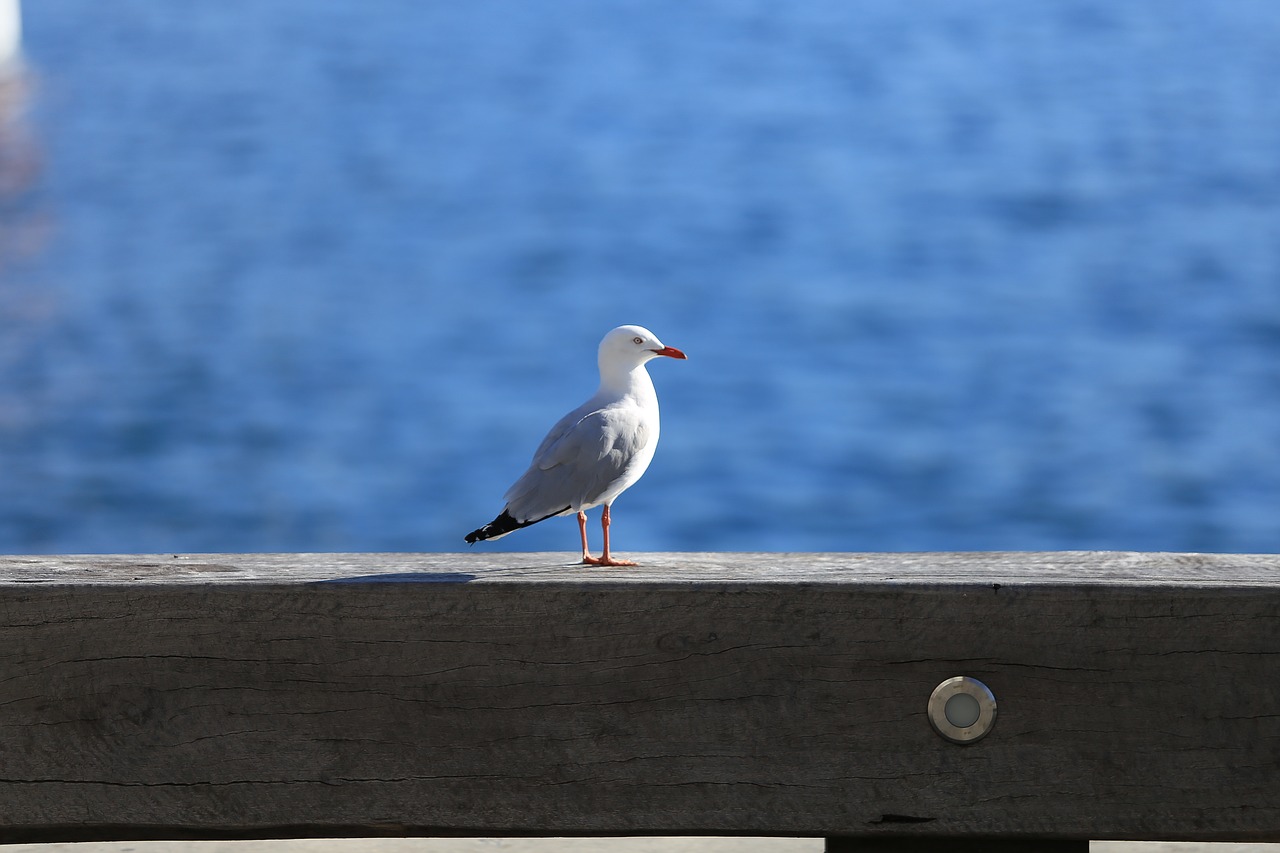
x=951, y=275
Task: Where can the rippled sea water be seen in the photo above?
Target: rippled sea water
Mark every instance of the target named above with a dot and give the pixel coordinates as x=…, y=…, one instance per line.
x=318, y=276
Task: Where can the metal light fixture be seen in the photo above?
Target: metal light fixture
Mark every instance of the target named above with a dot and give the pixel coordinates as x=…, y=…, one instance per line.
x=962, y=709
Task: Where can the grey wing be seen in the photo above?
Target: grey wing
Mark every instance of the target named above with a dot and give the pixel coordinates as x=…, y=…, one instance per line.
x=524, y=498
x=578, y=467
x=561, y=427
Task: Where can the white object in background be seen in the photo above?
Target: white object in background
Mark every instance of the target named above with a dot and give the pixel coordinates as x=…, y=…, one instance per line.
x=10, y=35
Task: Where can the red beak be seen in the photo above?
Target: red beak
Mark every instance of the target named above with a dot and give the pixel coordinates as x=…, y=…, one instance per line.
x=671, y=352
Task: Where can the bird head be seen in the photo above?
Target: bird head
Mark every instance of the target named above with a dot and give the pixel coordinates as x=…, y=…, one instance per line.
x=632, y=345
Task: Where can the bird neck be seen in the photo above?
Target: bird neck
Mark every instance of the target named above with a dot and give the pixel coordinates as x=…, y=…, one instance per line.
x=627, y=380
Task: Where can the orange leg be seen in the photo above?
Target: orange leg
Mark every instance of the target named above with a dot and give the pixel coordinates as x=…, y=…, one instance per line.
x=605, y=559
x=582, y=530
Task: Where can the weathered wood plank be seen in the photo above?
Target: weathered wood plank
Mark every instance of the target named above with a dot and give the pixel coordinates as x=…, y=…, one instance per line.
x=259, y=695
x=952, y=845
x=1013, y=568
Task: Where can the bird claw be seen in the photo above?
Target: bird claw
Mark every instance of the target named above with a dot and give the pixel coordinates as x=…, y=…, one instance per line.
x=588, y=560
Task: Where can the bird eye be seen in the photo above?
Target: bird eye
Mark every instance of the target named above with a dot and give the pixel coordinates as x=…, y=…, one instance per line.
x=637, y=340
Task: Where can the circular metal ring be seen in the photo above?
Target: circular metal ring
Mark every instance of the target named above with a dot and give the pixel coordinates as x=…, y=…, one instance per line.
x=962, y=709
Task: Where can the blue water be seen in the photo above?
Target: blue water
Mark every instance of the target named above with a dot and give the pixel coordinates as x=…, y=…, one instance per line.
x=318, y=276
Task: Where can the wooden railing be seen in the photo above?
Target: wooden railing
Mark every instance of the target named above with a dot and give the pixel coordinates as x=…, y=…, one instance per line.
x=1137, y=696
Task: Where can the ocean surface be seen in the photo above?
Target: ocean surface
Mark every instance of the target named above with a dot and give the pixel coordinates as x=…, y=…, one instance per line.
x=315, y=276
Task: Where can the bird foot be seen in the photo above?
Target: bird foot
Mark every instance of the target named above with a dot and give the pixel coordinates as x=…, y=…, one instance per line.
x=588, y=560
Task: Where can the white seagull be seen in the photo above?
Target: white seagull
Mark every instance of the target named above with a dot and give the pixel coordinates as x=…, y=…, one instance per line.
x=594, y=453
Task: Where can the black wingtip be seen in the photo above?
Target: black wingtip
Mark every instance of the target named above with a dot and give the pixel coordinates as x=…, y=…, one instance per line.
x=500, y=525
x=504, y=524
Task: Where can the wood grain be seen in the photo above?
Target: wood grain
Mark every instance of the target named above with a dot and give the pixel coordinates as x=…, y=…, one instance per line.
x=276, y=695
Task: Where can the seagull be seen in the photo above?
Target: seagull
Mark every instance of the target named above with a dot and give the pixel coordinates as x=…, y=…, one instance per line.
x=597, y=451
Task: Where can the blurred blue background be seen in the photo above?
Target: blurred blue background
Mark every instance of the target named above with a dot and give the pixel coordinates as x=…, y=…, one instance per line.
x=301, y=276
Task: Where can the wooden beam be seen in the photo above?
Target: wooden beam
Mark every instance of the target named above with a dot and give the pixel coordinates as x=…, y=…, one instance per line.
x=218, y=696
